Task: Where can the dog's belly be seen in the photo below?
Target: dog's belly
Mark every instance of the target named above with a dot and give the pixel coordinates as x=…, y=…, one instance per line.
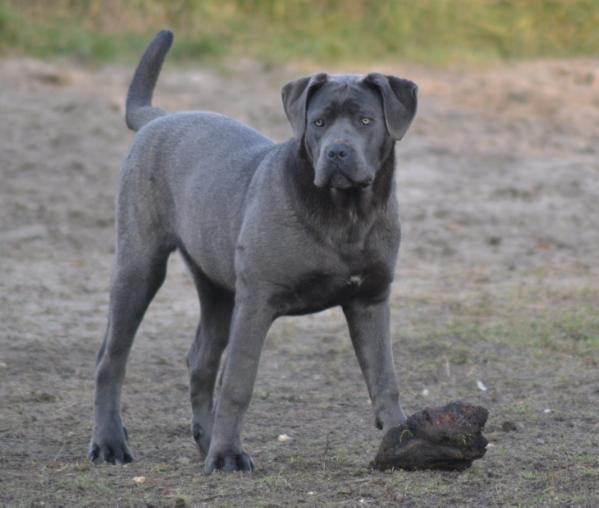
x=316, y=291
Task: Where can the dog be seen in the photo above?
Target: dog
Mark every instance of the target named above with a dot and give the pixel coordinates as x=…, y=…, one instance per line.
x=266, y=230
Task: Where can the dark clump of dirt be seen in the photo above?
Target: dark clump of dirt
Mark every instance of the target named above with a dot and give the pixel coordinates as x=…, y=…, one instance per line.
x=448, y=437
x=509, y=426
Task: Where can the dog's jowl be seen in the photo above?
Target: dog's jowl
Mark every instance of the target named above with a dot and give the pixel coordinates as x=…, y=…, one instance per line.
x=267, y=230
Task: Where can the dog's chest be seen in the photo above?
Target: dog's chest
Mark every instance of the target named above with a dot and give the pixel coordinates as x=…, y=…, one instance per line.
x=320, y=289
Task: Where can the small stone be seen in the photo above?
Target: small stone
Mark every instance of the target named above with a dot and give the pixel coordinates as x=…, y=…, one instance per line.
x=283, y=438
x=139, y=479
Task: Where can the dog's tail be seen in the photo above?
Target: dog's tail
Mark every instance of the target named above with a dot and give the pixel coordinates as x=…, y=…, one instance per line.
x=139, y=109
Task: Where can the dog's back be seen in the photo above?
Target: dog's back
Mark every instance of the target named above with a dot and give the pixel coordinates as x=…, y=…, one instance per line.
x=186, y=166
x=186, y=177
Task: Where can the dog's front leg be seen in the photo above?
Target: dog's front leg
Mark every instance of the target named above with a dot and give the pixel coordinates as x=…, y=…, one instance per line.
x=251, y=319
x=369, y=330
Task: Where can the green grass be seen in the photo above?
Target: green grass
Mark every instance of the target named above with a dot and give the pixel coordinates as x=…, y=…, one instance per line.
x=573, y=331
x=326, y=31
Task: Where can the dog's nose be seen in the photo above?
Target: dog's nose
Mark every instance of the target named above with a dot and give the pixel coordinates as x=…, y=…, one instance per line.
x=338, y=152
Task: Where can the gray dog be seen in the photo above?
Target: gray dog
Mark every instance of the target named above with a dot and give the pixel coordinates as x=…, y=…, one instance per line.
x=266, y=230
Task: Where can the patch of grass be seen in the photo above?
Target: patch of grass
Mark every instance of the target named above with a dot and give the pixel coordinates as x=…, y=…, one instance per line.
x=574, y=332
x=273, y=482
x=520, y=409
x=519, y=319
x=84, y=484
x=327, y=31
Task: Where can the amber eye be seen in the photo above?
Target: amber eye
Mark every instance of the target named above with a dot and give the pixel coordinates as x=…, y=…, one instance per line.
x=366, y=121
x=319, y=122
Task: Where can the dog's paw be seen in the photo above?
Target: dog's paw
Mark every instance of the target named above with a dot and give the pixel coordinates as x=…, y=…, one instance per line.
x=228, y=462
x=110, y=448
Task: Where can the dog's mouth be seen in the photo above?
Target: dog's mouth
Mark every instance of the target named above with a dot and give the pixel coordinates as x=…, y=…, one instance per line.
x=341, y=181
x=337, y=178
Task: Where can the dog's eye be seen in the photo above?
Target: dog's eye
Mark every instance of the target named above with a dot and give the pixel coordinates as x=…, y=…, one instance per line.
x=319, y=122
x=365, y=120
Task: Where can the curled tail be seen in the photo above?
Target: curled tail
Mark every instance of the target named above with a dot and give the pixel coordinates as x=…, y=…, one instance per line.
x=139, y=110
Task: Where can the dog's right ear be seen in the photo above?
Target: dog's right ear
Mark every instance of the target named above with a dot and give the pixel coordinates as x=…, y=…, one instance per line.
x=295, y=97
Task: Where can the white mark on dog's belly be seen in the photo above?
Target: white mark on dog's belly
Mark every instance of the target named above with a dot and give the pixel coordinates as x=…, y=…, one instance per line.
x=356, y=280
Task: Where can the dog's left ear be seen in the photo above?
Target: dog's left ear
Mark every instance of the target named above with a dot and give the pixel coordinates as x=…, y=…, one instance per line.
x=400, y=99
x=295, y=96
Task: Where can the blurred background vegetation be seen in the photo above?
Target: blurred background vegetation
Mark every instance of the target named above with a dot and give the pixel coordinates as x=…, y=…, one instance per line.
x=326, y=31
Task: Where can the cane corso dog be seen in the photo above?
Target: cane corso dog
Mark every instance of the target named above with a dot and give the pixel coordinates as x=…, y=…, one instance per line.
x=267, y=230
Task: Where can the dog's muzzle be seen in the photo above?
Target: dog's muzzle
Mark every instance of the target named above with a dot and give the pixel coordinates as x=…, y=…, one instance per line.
x=338, y=178
x=338, y=169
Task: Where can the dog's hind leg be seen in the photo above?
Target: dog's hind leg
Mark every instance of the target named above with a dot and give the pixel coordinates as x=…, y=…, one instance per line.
x=204, y=356
x=138, y=273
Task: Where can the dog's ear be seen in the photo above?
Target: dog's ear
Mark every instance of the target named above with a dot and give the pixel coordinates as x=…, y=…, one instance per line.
x=295, y=97
x=400, y=99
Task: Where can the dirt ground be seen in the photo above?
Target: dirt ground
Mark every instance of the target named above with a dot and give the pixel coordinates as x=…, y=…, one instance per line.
x=495, y=301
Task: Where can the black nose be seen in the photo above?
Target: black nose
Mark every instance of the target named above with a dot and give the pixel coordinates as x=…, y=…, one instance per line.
x=338, y=152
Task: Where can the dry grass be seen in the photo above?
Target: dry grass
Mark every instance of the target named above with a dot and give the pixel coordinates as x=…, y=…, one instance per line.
x=429, y=31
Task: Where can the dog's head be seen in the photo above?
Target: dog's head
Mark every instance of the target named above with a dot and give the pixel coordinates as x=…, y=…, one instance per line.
x=348, y=124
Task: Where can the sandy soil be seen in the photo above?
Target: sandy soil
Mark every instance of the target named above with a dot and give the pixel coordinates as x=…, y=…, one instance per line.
x=498, y=282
